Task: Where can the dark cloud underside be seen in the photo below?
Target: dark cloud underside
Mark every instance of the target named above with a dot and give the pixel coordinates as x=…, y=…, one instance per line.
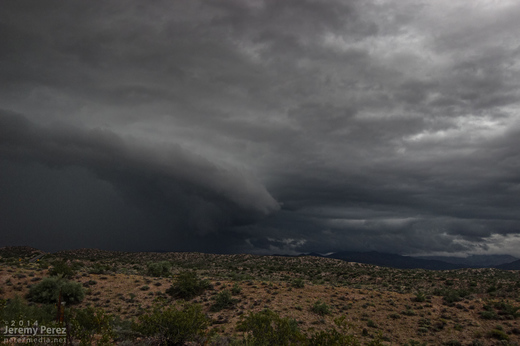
x=261, y=125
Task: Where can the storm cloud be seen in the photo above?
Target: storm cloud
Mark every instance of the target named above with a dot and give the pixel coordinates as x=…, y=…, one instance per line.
x=261, y=126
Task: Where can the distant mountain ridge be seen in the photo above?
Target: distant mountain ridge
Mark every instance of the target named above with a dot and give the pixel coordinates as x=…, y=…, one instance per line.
x=510, y=266
x=392, y=260
x=481, y=261
x=505, y=262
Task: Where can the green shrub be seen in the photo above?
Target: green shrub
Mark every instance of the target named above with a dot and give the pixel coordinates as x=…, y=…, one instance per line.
x=498, y=334
x=48, y=290
x=507, y=310
x=420, y=297
x=72, y=292
x=298, y=283
x=16, y=310
x=320, y=308
x=333, y=338
x=451, y=296
x=268, y=328
x=98, y=268
x=408, y=312
x=85, y=323
x=159, y=269
x=62, y=269
x=394, y=316
x=491, y=289
x=452, y=343
x=489, y=315
x=174, y=326
x=415, y=343
x=236, y=289
x=223, y=300
x=187, y=285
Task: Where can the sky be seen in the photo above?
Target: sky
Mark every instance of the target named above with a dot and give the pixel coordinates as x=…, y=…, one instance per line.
x=261, y=126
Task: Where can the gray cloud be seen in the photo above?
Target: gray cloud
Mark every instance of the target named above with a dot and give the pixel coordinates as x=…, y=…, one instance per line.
x=167, y=182
x=388, y=126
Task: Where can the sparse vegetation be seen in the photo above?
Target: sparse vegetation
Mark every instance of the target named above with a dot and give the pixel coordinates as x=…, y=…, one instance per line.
x=173, y=325
x=268, y=328
x=188, y=285
x=298, y=283
x=60, y=268
x=223, y=300
x=48, y=290
x=420, y=297
x=320, y=308
x=16, y=309
x=305, y=294
x=236, y=289
x=159, y=269
x=88, y=322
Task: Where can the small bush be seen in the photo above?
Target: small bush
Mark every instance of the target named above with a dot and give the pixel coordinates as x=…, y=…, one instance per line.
x=62, y=269
x=489, y=315
x=498, y=334
x=415, y=343
x=332, y=337
x=452, y=343
x=223, y=300
x=174, y=325
x=268, y=328
x=371, y=324
x=85, y=323
x=320, y=308
x=187, y=285
x=420, y=297
x=17, y=310
x=159, y=269
x=408, y=312
x=236, y=289
x=298, y=283
x=507, y=310
x=394, y=316
x=451, y=296
x=48, y=290
x=338, y=335
x=71, y=292
x=98, y=268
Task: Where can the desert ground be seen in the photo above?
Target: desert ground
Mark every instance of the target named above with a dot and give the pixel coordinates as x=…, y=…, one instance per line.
x=377, y=305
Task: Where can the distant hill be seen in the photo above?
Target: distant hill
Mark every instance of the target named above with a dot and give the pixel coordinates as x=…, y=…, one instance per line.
x=315, y=254
x=510, y=266
x=19, y=252
x=382, y=259
x=392, y=260
x=474, y=261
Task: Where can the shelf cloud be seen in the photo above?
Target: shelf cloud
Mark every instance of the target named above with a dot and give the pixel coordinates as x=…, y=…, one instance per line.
x=261, y=126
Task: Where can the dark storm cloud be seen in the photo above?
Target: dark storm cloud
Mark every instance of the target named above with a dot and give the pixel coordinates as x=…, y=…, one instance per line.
x=388, y=125
x=162, y=181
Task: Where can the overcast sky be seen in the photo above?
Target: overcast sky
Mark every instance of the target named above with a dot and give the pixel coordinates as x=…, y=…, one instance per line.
x=261, y=126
